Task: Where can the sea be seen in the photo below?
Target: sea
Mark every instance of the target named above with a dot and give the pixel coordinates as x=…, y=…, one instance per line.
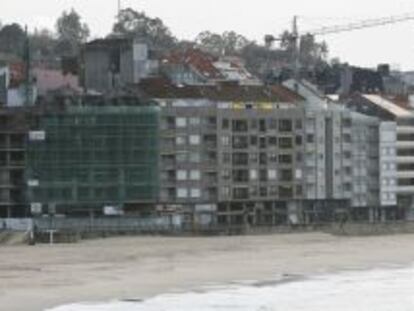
x=386, y=289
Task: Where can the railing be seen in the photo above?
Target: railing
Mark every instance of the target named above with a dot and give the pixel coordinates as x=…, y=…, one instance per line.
x=109, y=225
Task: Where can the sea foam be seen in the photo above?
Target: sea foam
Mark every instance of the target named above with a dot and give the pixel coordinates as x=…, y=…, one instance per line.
x=374, y=290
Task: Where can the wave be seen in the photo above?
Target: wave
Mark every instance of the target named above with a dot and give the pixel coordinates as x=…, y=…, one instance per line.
x=374, y=290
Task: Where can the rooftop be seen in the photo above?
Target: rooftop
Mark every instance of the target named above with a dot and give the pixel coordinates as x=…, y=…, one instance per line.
x=200, y=61
x=388, y=105
x=225, y=91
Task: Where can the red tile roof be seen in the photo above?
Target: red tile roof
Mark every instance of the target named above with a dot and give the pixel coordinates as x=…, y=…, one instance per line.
x=198, y=60
x=50, y=80
x=229, y=91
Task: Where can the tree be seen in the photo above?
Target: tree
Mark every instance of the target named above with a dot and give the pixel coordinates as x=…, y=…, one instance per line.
x=229, y=43
x=43, y=43
x=135, y=24
x=71, y=33
x=210, y=42
x=12, y=38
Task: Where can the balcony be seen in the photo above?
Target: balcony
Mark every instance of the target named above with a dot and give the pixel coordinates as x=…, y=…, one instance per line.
x=405, y=189
x=405, y=174
x=405, y=159
x=405, y=129
x=405, y=144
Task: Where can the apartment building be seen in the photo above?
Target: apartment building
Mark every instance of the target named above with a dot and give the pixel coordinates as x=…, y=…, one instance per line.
x=353, y=156
x=396, y=150
x=251, y=154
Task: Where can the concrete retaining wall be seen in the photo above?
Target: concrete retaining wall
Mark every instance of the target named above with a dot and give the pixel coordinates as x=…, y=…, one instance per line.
x=16, y=224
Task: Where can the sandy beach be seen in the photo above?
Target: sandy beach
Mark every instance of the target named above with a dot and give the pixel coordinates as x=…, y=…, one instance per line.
x=34, y=278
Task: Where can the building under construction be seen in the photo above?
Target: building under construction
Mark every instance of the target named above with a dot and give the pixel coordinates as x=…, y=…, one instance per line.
x=13, y=132
x=91, y=156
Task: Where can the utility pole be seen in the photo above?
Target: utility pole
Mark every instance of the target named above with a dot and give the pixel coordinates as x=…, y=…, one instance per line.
x=119, y=8
x=26, y=58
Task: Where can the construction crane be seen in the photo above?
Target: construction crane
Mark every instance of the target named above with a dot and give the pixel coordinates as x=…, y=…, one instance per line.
x=294, y=36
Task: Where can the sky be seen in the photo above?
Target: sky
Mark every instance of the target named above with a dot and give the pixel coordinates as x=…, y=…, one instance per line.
x=393, y=44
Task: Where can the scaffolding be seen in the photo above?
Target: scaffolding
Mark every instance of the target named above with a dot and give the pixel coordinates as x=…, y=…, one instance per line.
x=92, y=157
x=13, y=128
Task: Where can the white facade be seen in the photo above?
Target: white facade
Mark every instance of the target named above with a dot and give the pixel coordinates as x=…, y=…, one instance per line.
x=388, y=163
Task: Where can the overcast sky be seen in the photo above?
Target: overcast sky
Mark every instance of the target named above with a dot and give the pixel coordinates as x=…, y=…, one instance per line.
x=392, y=44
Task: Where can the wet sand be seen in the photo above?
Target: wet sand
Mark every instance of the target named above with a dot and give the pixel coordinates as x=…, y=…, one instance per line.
x=34, y=278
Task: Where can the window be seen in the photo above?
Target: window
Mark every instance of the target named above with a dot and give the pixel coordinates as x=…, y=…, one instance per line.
x=195, y=175
x=195, y=193
x=286, y=175
x=298, y=174
x=263, y=191
x=263, y=174
x=285, y=125
x=226, y=175
x=169, y=123
x=298, y=124
x=310, y=138
x=181, y=157
x=226, y=158
x=240, y=158
x=299, y=140
x=285, y=142
x=253, y=124
x=272, y=124
x=272, y=141
x=262, y=125
x=225, y=140
x=253, y=140
x=240, y=176
x=225, y=192
x=195, y=121
x=262, y=143
x=180, y=140
x=240, y=142
x=285, y=159
x=273, y=158
x=347, y=138
x=253, y=158
x=240, y=126
x=181, y=122
x=285, y=192
x=182, y=175
x=272, y=174
x=212, y=121
x=194, y=139
x=225, y=124
x=182, y=193
x=273, y=191
x=241, y=193
x=195, y=157
x=253, y=174
x=253, y=191
x=262, y=158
